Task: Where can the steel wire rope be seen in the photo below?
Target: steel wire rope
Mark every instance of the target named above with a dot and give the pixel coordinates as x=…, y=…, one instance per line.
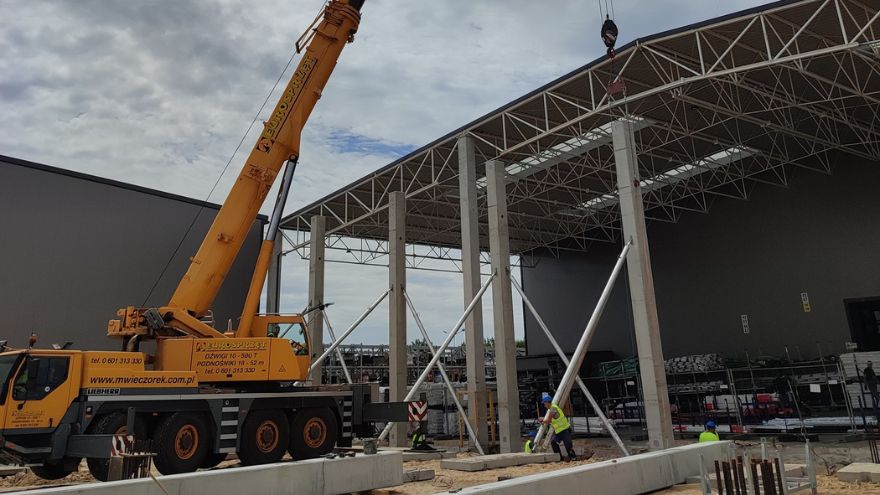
x=219, y=178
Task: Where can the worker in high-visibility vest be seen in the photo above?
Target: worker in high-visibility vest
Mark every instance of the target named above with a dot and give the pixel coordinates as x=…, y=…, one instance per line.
x=420, y=440
x=530, y=443
x=561, y=427
x=710, y=435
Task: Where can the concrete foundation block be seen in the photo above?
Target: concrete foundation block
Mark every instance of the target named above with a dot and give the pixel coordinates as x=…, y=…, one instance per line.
x=312, y=477
x=427, y=456
x=860, y=471
x=360, y=473
x=418, y=475
x=496, y=461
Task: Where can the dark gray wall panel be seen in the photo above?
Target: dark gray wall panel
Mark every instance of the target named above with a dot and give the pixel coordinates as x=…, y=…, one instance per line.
x=820, y=235
x=75, y=250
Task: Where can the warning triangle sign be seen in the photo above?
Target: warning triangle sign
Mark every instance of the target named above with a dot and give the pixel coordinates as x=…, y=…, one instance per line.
x=282, y=369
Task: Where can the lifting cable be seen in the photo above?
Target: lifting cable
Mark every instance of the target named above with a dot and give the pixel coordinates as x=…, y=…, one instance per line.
x=220, y=177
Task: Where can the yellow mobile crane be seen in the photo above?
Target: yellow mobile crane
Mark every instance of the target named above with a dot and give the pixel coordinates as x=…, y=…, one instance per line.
x=209, y=393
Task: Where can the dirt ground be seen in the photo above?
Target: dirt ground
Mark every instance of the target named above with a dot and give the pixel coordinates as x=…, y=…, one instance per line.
x=829, y=455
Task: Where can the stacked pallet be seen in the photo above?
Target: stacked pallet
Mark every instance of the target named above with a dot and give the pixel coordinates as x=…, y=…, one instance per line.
x=687, y=388
x=442, y=423
x=438, y=395
x=693, y=363
x=858, y=391
x=854, y=363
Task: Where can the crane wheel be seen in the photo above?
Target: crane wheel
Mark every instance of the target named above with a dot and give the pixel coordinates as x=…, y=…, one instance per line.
x=111, y=424
x=213, y=460
x=264, y=438
x=58, y=470
x=313, y=433
x=181, y=443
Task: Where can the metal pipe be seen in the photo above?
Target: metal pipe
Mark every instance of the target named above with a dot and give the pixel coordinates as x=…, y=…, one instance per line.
x=728, y=478
x=583, y=387
x=338, y=352
x=442, y=369
x=334, y=345
x=577, y=358
x=415, y=388
x=755, y=482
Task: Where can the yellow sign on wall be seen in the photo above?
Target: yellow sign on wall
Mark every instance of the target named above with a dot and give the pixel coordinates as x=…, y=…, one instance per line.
x=805, y=301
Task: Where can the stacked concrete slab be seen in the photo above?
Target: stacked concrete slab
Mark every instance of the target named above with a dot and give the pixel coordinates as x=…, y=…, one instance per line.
x=860, y=471
x=634, y=474
x=312, y=477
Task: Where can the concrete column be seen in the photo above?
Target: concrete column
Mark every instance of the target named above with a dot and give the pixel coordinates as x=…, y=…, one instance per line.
x=316, y=292
x=273, y=291
x=397, y=309
x=502, y=311
x=470, y=267
x=641, y=283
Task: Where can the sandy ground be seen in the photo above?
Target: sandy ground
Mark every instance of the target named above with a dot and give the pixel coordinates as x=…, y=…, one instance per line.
x=830, y=457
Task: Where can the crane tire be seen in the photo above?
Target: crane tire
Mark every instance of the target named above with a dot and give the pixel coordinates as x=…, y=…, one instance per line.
x=213, y=460
x=265, y=435
x=181, y=443
x=56, y=471
x=313, y=432
x=111, y=424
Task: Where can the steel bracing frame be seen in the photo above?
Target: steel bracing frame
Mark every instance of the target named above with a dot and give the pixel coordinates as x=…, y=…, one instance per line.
x=795, y=83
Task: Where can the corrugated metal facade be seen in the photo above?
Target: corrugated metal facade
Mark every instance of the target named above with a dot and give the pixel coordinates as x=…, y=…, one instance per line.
x=821, y=235
x=75, y=248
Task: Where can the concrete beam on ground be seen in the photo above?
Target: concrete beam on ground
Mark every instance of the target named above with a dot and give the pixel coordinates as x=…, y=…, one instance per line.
x=502, y=311
x=470, y=268
x=427, y=455
x=315, y=319
x=313, y=477
x=655, y=395
x=642, y=473
x=397, y=309
x=496, y=461
x=273, y=283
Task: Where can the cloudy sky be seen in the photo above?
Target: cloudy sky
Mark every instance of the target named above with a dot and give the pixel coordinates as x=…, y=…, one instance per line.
x=159, y=93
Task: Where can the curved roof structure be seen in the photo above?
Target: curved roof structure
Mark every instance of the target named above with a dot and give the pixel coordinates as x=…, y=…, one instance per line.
x=717, y=107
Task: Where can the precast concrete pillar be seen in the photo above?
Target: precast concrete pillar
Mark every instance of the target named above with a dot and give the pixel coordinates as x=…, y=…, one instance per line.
x=502, y=310
x=315, y=319
x=470, y=268
x=641, y=282
x=397, y=309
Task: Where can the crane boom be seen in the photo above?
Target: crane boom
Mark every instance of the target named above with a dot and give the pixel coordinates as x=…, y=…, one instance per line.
x=278, y=142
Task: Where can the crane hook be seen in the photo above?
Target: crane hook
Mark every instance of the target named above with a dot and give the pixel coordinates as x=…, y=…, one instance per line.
x=609, y=35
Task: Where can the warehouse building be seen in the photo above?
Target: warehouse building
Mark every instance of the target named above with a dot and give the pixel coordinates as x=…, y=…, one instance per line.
x=737, y=157
x=791, y=272
x=78, y=247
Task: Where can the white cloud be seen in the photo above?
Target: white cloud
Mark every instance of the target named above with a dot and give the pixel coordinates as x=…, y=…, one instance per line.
x=158, y=93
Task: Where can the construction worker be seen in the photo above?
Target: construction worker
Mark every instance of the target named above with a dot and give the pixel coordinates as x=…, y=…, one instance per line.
x=871, y=381
x=709, y=435
x=530, y=443
x=561, y=427
x=419, y=440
